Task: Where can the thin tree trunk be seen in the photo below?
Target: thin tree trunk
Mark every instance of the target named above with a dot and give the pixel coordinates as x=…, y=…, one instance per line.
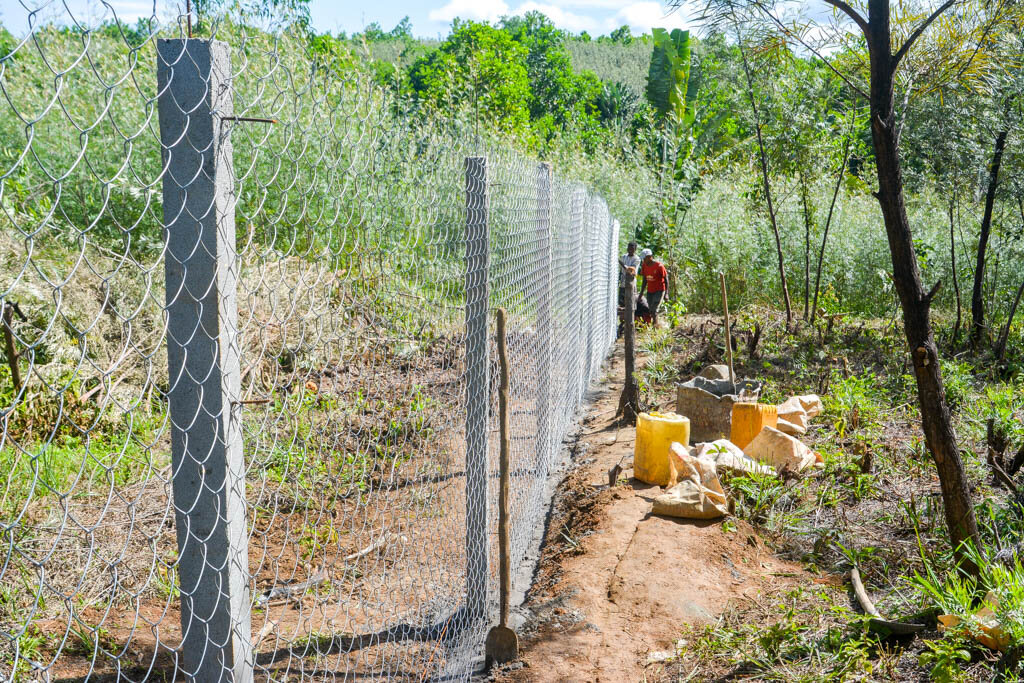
x=828, y=222
x=956, y=280
x=1000, y=349
x=977, y=300
x=915, y=302
x=765, y=177
x=808, y=221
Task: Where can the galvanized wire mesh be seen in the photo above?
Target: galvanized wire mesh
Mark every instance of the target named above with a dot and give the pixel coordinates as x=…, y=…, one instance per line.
x=250, y=421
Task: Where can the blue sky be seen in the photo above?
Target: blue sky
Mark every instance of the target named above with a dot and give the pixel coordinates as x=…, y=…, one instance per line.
x=430, y=18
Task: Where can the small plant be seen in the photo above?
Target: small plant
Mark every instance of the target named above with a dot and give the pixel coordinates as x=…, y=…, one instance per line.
x=943, y=658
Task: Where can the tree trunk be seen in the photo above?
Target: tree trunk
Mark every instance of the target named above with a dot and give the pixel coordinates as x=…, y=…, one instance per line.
x=1000, y=349
x=935, y=418
x=765, y=177
x=808, y=222
x=828, y=223
x=956, y=279
x=977, y=301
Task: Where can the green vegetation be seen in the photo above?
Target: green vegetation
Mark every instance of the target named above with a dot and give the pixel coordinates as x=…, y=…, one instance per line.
x=736, y=151
x=874, y=505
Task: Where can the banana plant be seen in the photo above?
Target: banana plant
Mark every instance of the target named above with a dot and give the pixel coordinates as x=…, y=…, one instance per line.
x=669, y=89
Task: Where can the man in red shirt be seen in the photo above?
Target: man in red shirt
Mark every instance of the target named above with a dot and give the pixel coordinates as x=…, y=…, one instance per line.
x=654, y=280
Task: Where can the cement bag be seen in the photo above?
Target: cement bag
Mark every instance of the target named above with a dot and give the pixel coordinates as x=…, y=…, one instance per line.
x=781, y=451
x=698, y=495
x=727, y=456
x=988, y=631
x=787, y=427
x=811, y=404
x=793, y=418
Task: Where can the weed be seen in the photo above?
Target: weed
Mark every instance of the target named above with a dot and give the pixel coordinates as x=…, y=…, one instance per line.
x=942, y=658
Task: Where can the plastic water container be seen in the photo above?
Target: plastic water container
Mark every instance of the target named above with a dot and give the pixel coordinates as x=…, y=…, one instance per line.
x=655, y=433
x=748, y=419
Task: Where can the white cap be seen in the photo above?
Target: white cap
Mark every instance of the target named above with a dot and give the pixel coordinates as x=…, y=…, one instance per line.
x=645, y=253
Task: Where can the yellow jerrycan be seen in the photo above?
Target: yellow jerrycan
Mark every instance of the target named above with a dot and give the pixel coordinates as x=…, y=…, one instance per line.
x=748, y=419
x=655, y=433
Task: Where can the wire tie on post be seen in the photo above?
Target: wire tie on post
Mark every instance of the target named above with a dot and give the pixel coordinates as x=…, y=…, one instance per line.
x=247, y=119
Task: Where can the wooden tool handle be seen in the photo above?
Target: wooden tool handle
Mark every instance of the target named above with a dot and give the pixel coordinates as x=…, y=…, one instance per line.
x=504, y=566
x=728, y=330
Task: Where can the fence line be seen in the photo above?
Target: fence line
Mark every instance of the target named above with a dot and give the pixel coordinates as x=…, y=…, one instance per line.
x=254, y=432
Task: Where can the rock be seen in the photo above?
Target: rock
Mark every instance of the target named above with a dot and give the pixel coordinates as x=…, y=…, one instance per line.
x=719, y=371
x=728, y=456
x=780, y=451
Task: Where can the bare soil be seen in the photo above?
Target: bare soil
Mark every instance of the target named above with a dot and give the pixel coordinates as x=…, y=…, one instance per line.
x=615, y=583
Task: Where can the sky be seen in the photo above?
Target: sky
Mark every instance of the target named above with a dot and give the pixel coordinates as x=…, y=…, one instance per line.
x=430, y=18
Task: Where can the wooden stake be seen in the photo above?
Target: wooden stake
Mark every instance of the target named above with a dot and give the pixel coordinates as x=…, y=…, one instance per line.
x=504, y=565
x=502, y=644
x=728, y=330
x=629, y=400
x=9, y=348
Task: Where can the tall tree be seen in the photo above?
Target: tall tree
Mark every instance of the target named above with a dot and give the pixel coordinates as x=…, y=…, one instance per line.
x=763, y=160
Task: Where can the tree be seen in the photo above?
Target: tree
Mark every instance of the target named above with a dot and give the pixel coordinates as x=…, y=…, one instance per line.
x=1007, y=93
x=481, y=64
x=622, y=34
x=885, y=59
x=753, y=96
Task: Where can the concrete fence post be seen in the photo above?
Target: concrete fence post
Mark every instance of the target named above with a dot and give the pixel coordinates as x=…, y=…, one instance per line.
x=478, y=393
x=544, y=332
x=201, y=269
x=578, y=238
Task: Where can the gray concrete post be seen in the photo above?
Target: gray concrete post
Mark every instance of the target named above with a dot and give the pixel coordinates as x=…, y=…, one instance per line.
x=478, y=395
x=579, y=238
x=544, y=332
x=201, y=269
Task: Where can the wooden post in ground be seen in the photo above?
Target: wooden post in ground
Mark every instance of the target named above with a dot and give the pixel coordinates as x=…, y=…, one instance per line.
x=9, y=309
x=728, y=328
x=629, y=401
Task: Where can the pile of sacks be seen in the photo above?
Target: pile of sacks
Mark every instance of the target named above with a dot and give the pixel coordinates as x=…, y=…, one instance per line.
x=691, y=474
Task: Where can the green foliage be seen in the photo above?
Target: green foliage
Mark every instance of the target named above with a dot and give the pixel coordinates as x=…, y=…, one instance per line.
x=668, y=81
x=479, y=64
x=943, y=659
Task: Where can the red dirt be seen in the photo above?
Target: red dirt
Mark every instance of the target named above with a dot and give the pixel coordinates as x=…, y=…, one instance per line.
x=616, y=583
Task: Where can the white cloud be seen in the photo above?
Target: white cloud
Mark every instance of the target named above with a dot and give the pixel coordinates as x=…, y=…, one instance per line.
x=561, y=18
x=643, y=16
x=479, y=10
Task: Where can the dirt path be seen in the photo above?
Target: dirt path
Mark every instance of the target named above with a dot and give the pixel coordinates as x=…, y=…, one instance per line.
x=615, y=584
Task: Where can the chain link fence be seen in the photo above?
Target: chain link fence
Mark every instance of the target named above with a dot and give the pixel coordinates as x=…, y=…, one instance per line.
x=249, y=398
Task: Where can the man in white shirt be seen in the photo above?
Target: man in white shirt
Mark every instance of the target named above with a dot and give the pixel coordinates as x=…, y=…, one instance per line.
x=630, y=259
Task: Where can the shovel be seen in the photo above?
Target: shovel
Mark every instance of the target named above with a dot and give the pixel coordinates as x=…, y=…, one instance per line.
x=502, y=644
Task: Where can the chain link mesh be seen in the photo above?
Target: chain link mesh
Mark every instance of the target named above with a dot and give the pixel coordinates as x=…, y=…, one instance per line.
x=253, y=353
